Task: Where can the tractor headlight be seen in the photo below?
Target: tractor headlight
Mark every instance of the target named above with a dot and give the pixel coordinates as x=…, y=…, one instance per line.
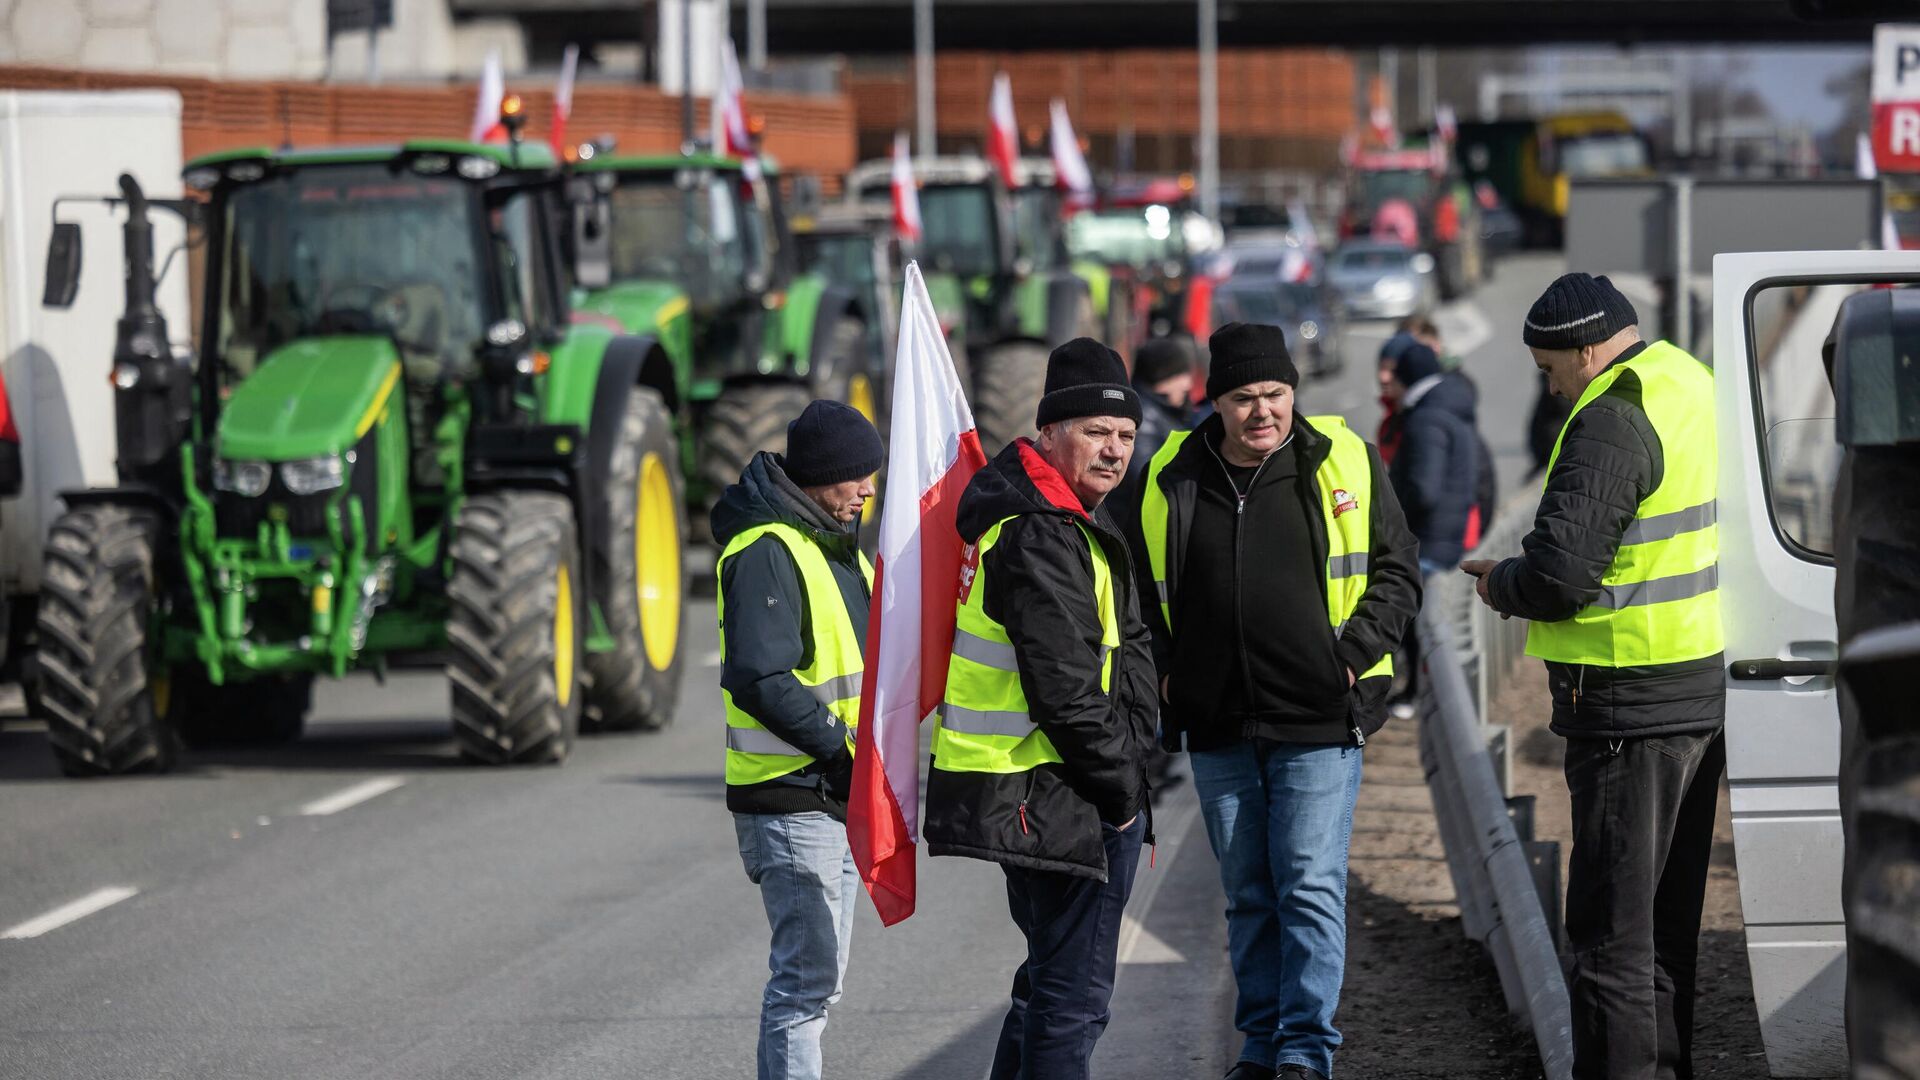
x=1309, y=330
x=248, y=478
x=311, y=475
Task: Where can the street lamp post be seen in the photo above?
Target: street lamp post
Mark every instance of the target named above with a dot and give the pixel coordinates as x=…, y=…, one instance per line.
x=1208, y=151
x=923, y=77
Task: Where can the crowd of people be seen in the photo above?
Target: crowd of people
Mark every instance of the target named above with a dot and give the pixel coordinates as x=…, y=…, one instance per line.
x=1237, y=583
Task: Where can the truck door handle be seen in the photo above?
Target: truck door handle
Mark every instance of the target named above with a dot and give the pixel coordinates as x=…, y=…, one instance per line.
x=1771, y=668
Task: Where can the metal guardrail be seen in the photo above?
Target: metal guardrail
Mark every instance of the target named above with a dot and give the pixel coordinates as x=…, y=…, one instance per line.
x=1467, y=651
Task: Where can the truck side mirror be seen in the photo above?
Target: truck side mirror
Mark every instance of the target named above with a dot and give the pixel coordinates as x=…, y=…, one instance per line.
x=1870, y=356
x=63, y=265
x=592, y=243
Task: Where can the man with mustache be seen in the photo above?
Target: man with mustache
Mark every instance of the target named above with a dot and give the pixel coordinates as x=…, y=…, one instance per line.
x=1040, y=753
x=1285, y=575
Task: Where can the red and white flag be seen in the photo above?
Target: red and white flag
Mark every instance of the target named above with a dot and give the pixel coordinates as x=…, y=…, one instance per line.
x=1446, y=123
x=1070, y=170
x=486, y=106
x=563, y=103
x=730, y=135
x=906, y=194
x=932, y=453
x=1003, y=138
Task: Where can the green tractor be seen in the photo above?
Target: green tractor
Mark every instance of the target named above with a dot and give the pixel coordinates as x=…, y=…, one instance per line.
x=394, y=447
x=695, y=248
x=1006, y=302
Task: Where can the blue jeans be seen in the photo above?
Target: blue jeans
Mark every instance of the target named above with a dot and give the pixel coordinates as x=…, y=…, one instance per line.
x=1279, y=817
x=1062, y=990
x=809, y=886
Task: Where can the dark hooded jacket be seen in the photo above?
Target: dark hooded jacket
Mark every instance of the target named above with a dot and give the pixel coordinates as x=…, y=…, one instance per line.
x=1255, y=656
x=1610, y=461
x=768, y=635
x=1040, y=587
x=1435, y=471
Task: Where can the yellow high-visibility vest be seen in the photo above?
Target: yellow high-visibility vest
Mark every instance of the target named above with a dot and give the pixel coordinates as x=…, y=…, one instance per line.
x=984, y=724
x=1345, y=481
x=1659, y=599
x=754, y=754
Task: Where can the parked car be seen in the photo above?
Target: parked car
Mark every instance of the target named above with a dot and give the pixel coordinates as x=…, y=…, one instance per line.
x=1307, y=315
x=1383, y=281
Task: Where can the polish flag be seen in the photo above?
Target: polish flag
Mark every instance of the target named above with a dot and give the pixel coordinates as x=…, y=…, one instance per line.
x=906, y=194
x=1446, y=123
x=1866, y=168
x=486, y=125
x=1003, y=138
x=1070, y=170
x=730, y=115
x=934, y=451
x=563, y=104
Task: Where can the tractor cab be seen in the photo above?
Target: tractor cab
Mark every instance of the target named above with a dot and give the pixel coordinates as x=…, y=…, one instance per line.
x=693, y=250
x=1005, y=293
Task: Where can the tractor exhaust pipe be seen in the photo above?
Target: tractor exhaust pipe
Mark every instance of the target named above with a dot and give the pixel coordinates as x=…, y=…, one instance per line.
x=152, y=392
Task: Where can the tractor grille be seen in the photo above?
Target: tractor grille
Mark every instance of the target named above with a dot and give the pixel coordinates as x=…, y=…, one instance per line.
x=239, y=517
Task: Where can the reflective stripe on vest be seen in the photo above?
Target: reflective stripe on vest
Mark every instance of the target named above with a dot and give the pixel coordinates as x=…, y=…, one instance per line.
x=754, y=754
x=1345, y=481
x=1659, y=599
x=984, y=725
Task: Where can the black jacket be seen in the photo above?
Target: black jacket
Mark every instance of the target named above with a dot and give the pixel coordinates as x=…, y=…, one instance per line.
x=768, y=636
x=1436, y=470
x=1610, y=461
x=1210, y=647
x=1039, y=577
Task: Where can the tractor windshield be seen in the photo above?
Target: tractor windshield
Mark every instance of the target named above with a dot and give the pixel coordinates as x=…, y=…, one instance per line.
x=690, y=227
x=842, y=258
x=957, y=228
x=1141, y=237
x=350, y=249
x=1036, y=226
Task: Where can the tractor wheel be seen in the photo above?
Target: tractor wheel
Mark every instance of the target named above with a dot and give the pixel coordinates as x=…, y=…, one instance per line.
x=515, y=628
x=1008, y=381
x=104, y=703
x=267, y=710
x=743, y=421
x=642, y=577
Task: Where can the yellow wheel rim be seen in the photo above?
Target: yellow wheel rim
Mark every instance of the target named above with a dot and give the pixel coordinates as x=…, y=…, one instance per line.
x=860, y=396
x=657, y=563
x=563, y=636
x=160, y=691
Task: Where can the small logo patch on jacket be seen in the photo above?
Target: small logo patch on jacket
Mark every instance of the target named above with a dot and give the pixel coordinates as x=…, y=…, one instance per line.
x=771, y=602
x=1344, y=501
x=969, y=569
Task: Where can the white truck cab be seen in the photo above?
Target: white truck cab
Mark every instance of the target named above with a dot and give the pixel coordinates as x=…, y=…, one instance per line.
x=1779, y=466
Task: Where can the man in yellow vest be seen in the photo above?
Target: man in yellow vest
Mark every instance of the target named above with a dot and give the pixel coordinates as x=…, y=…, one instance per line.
x=793, y=598
x=1284, y=575
x=1620, y=579
x=1040, y=752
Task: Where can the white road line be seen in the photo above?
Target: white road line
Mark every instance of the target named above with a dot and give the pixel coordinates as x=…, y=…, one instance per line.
x=97, y=900
x=1137, y=946
x=353, y=796
x=712, y=659
x=1470, y=330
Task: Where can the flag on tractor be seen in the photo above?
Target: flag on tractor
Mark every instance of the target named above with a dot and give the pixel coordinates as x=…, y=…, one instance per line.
x=487, y=126
x=933, y=453
x=1070, y=171
x=1003, y=137
x=563, y=103
x=730, y=134
x=906, y=194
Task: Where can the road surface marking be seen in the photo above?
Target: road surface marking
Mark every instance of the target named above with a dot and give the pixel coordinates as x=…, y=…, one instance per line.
x=97, y=900
x=1137, y=945
x=353, y=796
x=712, y=659
x=1470, y=330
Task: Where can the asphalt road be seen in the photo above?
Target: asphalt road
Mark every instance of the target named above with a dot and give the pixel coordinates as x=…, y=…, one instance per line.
x=359, y=904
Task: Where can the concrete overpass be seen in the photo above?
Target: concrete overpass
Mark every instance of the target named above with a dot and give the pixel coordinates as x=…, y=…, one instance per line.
x=886, y=26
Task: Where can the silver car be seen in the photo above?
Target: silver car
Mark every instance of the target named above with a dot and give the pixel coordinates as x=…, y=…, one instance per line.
x=1383, y=280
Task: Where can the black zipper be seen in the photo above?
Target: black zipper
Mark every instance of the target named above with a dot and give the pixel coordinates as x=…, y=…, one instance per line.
x=1239, y=516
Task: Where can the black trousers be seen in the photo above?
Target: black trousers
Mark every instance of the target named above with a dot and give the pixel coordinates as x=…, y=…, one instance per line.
x=1643, y=813
x=1060, y=994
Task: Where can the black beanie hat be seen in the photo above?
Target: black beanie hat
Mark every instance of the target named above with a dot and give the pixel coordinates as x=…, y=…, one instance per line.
x=1248, y=353
x=1163, y=358
x=1085, y=378
x=1416, y=362
x=1577, y=310
x=831, y=443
